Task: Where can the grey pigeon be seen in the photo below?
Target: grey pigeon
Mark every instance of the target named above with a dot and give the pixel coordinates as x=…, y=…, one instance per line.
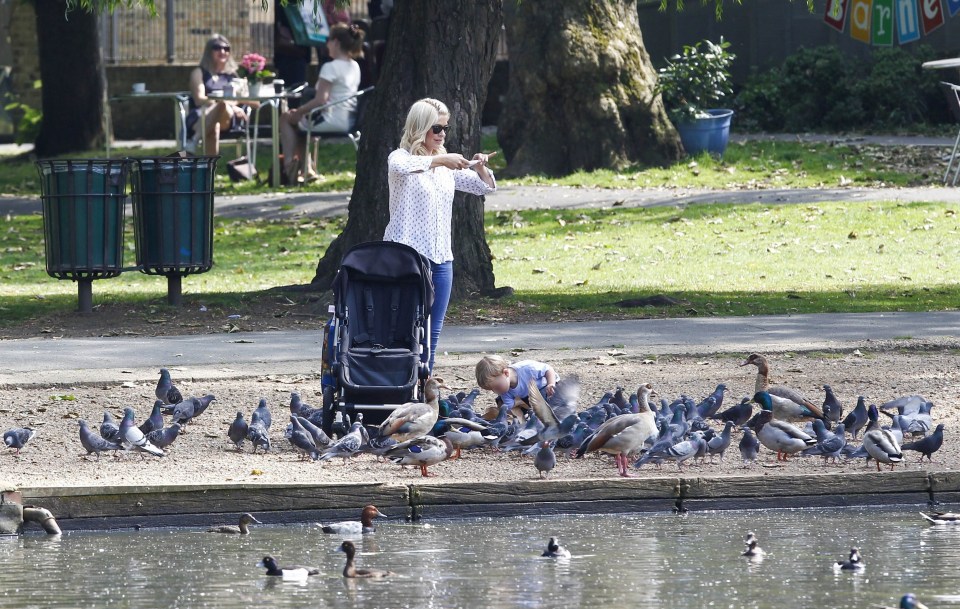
x=545, y=460
x=155, y=420
x=321, y=439
x=717, y=445
x=264, y=413
x=927, y=446
x=301, y=408
x=829, y=443
x=908, y=404
x=18, y=437
x=237, y=432
x=164, y=437
x=738, y=414
x=166, y=390
x=688, y=449
x=133, y=438
x=302, y=440
x=832, y=409
x=347, y=446
x=191, y=408
x=109, y=430
x=749, y=446
x=857, y=418
x=93, y=443
x=257, y=433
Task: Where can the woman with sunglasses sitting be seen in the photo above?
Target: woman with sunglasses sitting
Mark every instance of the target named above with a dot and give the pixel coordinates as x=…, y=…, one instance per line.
x=339, y=79
x=422, y=177
x=215, y=73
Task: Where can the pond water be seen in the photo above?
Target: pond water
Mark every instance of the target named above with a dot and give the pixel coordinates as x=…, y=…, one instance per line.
x=619, y=560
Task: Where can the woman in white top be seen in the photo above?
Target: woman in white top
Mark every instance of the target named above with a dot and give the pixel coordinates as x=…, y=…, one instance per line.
x=339, y=78
x=422, y=178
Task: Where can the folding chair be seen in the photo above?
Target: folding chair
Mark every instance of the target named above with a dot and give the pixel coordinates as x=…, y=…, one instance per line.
x=952, y=92
x=241, y=135
x=353, y=133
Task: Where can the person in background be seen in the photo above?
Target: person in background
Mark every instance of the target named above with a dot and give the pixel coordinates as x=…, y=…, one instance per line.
x=338, y=79
x=216, y=71
x=422, y=177
x=289, y=58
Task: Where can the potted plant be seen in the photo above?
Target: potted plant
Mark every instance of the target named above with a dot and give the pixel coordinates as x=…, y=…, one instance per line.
x=253, y=68
x=692, y=85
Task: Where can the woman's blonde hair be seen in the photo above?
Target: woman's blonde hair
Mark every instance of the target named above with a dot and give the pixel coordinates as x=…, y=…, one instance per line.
x=424, y=113
x=489, y=368
x=207, y=63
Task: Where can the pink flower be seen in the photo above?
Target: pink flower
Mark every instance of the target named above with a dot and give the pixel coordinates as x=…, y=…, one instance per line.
x=252, y=66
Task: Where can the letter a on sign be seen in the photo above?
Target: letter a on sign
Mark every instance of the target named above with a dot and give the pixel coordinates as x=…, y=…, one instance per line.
x=932, y=13
x=883, y=23
x=908, y=29
x=836, y=14
x=860, y=20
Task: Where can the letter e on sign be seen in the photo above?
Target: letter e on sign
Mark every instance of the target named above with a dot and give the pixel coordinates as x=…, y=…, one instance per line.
x=932, y=13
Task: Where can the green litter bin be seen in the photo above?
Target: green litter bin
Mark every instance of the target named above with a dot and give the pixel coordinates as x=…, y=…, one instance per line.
x=83, y=202
x=173, y=217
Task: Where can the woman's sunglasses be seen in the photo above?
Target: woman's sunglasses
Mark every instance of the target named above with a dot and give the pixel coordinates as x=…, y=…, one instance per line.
x=436, y=129
x=221, y=48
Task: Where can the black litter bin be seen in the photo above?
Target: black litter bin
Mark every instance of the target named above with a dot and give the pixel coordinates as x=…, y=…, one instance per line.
x=83, y=203
x=173, y=217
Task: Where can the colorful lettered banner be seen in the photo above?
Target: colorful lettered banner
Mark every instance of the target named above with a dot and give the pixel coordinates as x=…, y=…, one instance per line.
x=860, y=19
x=908, y=29
x=882, y=31
x=836, y=13
x=876, y=21
x=932, y=14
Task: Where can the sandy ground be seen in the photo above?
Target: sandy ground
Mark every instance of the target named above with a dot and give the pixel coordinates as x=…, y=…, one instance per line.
x=203, y=455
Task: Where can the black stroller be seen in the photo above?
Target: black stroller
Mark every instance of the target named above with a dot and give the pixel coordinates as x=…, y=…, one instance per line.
x=377, y=341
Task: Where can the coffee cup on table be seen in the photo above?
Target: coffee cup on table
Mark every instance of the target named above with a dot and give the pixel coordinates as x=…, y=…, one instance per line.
x=217, y=93
x=278, y=85
x=139, y=87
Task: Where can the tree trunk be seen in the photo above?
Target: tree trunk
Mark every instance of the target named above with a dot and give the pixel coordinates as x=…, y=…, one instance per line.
x=445, y=50
x=74, y=87
x=581, y=90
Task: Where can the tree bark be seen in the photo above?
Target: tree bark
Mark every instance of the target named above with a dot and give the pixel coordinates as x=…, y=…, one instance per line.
x=581, y=90
x=74, y=88
x=445, y=50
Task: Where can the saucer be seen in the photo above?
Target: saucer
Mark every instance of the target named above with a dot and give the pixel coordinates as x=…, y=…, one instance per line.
x=138, y=92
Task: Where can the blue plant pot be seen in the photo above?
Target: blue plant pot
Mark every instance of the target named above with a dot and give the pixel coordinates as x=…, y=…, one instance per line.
x=707, y=134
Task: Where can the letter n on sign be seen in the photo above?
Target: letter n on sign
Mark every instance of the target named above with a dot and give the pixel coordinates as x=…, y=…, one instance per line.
x=836, y=14
x=860, y=20
x=883, y=23
x=908, y=29
x=932, y=13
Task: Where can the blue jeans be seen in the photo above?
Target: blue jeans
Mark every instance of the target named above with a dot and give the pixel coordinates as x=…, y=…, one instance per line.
x=442, y=285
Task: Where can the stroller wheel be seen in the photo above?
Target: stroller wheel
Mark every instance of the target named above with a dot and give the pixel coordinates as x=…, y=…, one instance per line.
x=328, y=411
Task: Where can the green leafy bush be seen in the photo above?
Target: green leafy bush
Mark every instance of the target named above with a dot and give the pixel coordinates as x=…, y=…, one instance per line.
x=696, y=80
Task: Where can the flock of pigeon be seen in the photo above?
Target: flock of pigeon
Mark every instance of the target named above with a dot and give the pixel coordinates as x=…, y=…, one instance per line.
x=629, y=427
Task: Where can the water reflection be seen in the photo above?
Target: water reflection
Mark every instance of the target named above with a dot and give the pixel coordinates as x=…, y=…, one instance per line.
x=619, y=560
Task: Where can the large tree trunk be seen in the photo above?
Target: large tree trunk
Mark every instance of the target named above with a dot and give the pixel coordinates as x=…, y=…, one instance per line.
x=445, y=50
x=74, y=88
x=581, y=90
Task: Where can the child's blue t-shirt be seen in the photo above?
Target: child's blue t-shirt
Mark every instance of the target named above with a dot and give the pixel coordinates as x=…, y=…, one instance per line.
x=526, y=370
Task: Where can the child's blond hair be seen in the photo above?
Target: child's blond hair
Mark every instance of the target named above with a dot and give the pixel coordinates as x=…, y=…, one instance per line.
x=490, y=367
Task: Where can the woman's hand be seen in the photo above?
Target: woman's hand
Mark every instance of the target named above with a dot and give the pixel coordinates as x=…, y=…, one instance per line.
x=451, y=160
x=483, y=157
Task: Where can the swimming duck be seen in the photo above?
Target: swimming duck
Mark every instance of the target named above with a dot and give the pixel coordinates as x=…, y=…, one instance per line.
x=555, y=550
x=236, y=529
x=295, y=572
x=415, y=419
x=355, y=527
x=350, y=570
x=907, y=601
x=763, y=384
x=882, y=446
x=784, y=409
x=780, y=436
x=423, y=451
x=854, y=563
x=753, y=550
x=942, y=518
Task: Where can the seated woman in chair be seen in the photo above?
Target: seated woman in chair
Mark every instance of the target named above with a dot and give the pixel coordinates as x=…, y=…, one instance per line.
x=339, y=78
x=215, y=73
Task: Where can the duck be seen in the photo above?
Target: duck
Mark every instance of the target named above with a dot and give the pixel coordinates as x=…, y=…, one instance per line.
x=941, y=517
x=350, y=570
x=763, y=384
x=784, y=409
x=295, y=572
x=415, y=419
x=853, y=563
x=243, y=528
x=907, y=601
x=784, y=438
x=423, y=451
x=355, y=527
x=883, y=447
x=753, y=550
x=555, y=550
x=621, y=436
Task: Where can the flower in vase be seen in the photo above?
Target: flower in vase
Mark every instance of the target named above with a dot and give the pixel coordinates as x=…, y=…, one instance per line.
x=253, y=68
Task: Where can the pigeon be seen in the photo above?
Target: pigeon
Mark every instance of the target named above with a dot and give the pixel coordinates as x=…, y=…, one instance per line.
x=708, y=409
x=191, y=408
x=737, y=414
x=688, y=449
x=908, y=404
x=93, y=443
x=555, y=550
x=133, y=438
x=832, y=409
x=749, y=446
x=257, y=432
x=18, y=437
x=829, y=443
x=301, y=408
x=264, y=413
x=347, y=446
x=717, y=445
x=857, y=418
x=166, y=390
x=302, y=440
x=109, y=430
x=927, y=446
x=553, y=427
x=545, y=460
x=321, y=439
x=155, y=421
x=162, y=438
x=237, y=432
